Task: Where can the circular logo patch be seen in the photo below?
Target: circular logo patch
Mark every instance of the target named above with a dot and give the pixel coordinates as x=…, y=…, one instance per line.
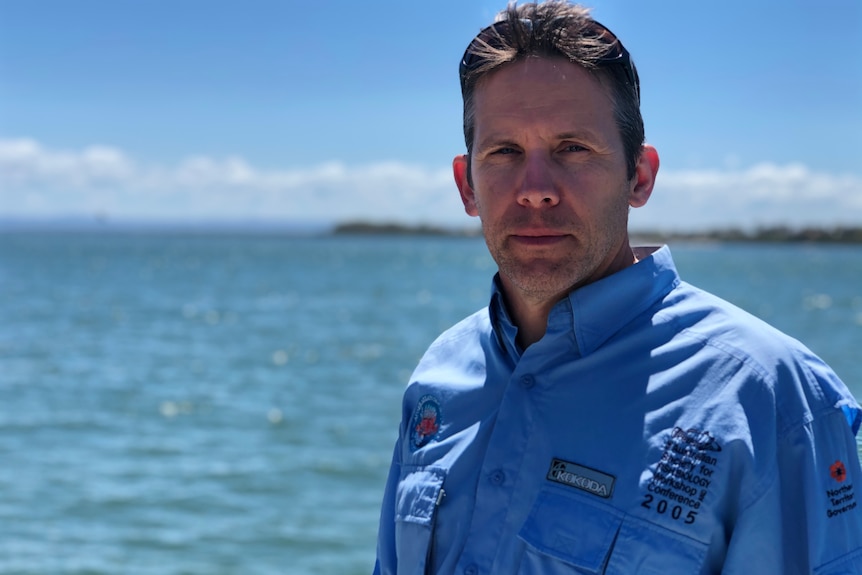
x=425, y=422
x=838, y=471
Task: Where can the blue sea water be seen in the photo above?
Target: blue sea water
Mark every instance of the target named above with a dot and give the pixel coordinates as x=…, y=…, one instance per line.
x=208, y=404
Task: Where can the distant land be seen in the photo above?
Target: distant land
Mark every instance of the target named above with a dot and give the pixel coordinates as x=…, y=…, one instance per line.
x=397, y=229
x=778, y=234
x=774, y=234
x=101, y=224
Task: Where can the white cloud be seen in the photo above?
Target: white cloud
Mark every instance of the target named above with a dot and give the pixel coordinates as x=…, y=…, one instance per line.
x=39, y=182
x=764, y=194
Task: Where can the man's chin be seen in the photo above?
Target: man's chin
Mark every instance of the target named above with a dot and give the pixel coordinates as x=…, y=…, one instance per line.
x=541, y=280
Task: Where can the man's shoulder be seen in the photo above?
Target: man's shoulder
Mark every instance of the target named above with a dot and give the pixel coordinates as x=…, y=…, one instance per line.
x=702, y=314
x=459, y=352
x=475, y=325
x=792, y=373
x=734, y=331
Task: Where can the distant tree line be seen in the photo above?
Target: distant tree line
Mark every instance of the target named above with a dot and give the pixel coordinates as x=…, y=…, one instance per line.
x=395, y=229
x=783, y=234
x=778, y=234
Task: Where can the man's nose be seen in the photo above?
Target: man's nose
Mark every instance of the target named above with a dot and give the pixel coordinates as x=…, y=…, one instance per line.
x=537, y=188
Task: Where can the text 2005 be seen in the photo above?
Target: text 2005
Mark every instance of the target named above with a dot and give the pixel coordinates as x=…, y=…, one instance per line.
x=662, y=507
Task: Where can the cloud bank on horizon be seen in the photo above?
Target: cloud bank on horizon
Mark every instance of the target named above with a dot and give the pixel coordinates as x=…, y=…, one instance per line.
x=37, y=182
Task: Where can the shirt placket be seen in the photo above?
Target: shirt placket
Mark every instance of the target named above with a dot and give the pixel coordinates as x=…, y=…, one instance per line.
x=499, y=476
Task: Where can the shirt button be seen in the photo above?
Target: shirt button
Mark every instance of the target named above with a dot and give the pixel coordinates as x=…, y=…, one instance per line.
x=471, y=570
x=528, y=381
x=497, y=477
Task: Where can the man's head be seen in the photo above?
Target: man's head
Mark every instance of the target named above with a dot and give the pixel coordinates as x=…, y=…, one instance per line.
x=557, y=29
x=552, y=170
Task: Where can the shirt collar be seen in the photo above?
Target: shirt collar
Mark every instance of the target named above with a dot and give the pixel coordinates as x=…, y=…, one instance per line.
x=596, y=311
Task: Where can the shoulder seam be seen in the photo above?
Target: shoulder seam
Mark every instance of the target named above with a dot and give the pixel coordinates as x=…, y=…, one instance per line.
x=786, y=424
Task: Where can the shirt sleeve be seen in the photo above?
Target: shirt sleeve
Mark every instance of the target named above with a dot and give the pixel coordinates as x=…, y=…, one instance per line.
x=809, y=519
x=386, y=563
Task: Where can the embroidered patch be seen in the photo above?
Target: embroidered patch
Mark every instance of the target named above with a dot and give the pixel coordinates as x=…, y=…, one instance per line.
x=581, y=477
x=842, y=497
x=425, y=422
x=837, y=471
x=681, y=479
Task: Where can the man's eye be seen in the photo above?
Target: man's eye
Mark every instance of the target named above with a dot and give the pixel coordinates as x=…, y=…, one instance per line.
x=574, y=148
x=505, y=150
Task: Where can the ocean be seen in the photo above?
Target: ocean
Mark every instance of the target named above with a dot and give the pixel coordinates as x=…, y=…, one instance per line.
x=219, y=404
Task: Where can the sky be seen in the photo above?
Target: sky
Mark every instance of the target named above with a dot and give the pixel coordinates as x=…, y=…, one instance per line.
x=328, y=111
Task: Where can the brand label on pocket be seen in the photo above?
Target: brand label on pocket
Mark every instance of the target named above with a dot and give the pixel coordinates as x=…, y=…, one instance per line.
x=580, y=477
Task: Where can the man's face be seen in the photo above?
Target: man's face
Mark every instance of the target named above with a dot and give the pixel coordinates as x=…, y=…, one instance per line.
x=548, y=178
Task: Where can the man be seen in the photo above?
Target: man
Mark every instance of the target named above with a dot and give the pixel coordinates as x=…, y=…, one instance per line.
x=601, y=415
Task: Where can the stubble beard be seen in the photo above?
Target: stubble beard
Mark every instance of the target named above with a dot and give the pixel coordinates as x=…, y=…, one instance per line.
x=545, y=276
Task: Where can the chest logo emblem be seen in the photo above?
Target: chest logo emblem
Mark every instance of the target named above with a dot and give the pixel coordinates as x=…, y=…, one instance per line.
x=425, y=422
x=583, y=478
x=838, y=471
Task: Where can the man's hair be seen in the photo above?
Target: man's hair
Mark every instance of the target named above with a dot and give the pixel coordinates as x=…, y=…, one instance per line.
x=548, y=29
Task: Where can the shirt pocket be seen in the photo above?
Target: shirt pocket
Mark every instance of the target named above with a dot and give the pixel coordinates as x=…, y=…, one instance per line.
x=645, y=548
x=415, y=505
x=567, y=534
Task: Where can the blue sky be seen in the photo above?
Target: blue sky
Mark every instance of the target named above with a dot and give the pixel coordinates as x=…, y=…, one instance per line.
x=195, y=111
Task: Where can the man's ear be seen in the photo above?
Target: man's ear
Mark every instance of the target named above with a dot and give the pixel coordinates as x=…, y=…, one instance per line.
x=644, y=179
x=464, y=181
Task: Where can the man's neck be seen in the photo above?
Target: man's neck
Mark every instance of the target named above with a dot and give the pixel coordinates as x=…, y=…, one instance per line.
x=530, y=314
x=531, y=318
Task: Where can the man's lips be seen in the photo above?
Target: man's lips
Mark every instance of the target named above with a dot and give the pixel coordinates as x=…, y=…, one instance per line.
x=538, y=237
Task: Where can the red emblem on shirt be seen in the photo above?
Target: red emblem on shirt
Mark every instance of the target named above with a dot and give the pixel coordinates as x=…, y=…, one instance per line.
x=425, y=422
x=428, y=425
x=838, y=472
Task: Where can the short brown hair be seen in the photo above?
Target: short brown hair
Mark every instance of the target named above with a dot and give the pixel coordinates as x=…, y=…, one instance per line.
x=556, y=28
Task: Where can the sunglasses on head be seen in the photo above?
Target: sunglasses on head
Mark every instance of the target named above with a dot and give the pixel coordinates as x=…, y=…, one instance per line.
x=492, y=37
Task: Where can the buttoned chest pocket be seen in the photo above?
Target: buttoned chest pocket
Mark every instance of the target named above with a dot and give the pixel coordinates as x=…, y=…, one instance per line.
x=566, y=535
x=415, y=505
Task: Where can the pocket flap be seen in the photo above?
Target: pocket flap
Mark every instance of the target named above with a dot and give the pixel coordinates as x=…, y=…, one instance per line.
x=417, y=494
x=572, y=530
x=648, y=549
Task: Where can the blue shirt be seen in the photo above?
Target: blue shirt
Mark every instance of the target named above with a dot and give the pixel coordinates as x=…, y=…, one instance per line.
x=654, y=429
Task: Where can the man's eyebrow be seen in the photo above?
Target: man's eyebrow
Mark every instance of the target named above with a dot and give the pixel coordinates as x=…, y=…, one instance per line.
x=495, y=140
x=579, y=135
